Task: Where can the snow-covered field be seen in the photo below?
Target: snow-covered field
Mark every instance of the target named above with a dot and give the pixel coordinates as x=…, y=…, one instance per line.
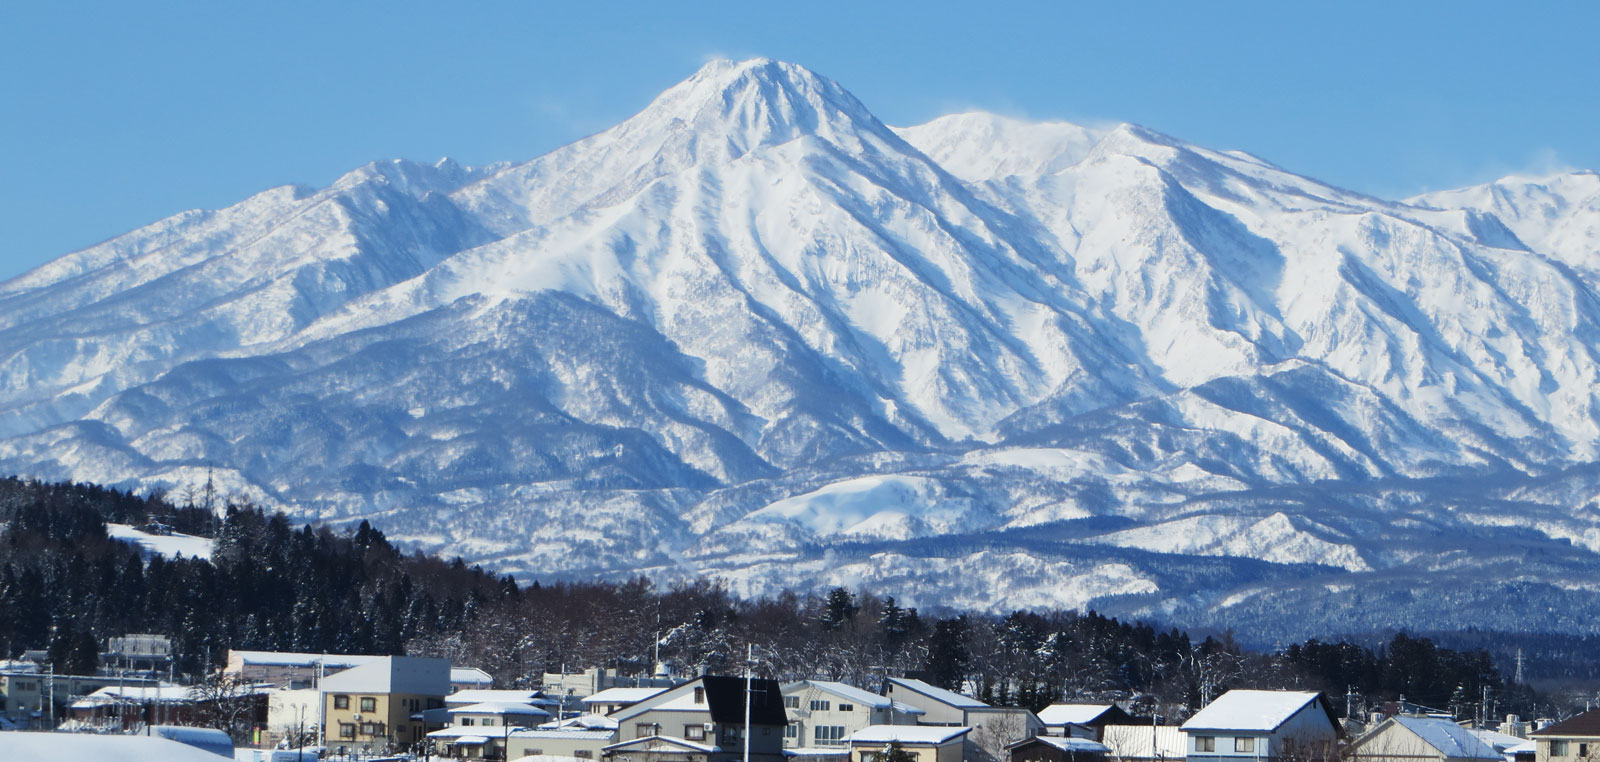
x=167, y=545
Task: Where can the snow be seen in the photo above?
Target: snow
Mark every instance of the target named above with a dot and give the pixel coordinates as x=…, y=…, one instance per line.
x=1071, y=714
x=752, y=332
x=1248, y=710
x=500, y=707
x=1452, y=740
x=874, y=734
x=938, y=694
x=851, y=693
x=621, y=695
x=1074, y=744
x=76, y=747
x=172, y=545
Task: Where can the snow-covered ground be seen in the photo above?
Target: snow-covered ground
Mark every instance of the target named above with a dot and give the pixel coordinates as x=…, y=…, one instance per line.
x=166, y=545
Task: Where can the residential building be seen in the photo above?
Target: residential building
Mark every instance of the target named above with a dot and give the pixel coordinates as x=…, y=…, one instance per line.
x=581, y=744
x=1570, y=740
x=1421, y=739
x=470, y=679
x=26, y=694
x=491, y=715
x=369, y=707
x=1263, y=725
x=994, y=728
x=925, y=743
x=822, y=713
x=614, y=699
x=1058, y=749
x=702, y=721
x=1082, y=720
x=288, y=669
x=1144, y=743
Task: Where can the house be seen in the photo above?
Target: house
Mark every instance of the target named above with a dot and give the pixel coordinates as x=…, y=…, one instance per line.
x=702, y=721
x=613, y=699
x=470, y=679
x=288, y=669
x=1256, y=725
x=1144, y=743
x=1082, y=720
x=497, y=714
x=580, y=744
x=822, y=713
x=993, y=727
x=369, y=707
x=1569, y=740
x=925, y=743
x=1058, y=749
x=1422, y=739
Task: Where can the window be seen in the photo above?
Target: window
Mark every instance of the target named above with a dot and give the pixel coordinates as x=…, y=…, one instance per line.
x=1244, y=744
x=819, y=706
x=369, y=704
x=1558, y=748
x=732, y=732
x=1205, y=743
x=791, y=702
x=694, y=732
x=466, y=722
x=847, y=707
x=488, y=721
x=828, y=735
x=372, y=728
x=347, y=730
x=1583, y=750
x=792, y=730
x=583, y=754
x=700, y=695
x=341, y=702
x=644, y=729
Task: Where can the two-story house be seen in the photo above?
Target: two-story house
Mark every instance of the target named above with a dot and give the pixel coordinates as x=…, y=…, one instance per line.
x=369, y=707
x=702, y=721
x=1082, y=720
x=1575, y=739
x=994, y=728
x=1244, y=726
x=1422, y=739
x=822, y=713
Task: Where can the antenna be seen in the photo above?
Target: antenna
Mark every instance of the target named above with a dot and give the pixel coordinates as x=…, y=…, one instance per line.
x=749, y=682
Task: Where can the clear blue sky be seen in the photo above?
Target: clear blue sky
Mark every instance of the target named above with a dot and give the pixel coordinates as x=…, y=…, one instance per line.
x=118, y=114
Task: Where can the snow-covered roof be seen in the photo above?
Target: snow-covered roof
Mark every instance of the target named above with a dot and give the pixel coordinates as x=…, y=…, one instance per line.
x=570, y=735
x=650, y=743
x=165, y=693
x=470, y=675
x=477, y=696
x=291, y=659
x=1072, y=714
x=583, y=721
x=906, y=708
x=621, y=695
x=842, y=690
x=72, y=747
x=446, y=734
x=500, y=707
x=1066, y=743
x=929, y=734
x=1250, y=710
x=1448, y=738
x=938, y=694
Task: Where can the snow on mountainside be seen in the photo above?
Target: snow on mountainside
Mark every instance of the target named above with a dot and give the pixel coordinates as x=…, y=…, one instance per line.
x=754, y=332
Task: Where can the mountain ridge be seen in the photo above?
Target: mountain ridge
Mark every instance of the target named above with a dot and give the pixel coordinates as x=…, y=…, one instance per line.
x=754, y=332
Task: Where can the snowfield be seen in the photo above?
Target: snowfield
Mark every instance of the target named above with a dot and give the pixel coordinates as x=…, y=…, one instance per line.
x=753, y=332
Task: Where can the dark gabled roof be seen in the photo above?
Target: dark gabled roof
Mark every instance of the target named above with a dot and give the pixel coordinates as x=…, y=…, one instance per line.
x=1586, y=724
x=725, y=698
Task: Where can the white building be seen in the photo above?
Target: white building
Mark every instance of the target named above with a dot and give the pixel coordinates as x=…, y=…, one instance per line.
x=822, y=713
x=1242, y=726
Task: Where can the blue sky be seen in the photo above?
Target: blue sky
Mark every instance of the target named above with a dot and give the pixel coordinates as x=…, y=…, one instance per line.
x=116, y=115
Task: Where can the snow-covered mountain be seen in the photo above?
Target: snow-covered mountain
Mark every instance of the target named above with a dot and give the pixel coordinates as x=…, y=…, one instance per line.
x=754, y=332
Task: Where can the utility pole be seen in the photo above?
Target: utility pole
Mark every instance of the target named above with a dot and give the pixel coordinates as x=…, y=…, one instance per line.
x=749, y=682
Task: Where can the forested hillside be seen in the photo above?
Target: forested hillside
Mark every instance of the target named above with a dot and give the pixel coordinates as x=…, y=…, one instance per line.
x=65, y=585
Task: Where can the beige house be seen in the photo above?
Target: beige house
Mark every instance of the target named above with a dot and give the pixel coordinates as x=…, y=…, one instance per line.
x=1421, y=739
x=1576, y=739
x=822, y=713
x=927, y=743
x=369, y=707
x=581, y=744
x=994, y=728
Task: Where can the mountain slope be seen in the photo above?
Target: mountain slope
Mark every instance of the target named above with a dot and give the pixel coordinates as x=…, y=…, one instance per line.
x=753, y=331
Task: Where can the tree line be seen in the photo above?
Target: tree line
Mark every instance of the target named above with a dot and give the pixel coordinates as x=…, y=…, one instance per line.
x=66, y=587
